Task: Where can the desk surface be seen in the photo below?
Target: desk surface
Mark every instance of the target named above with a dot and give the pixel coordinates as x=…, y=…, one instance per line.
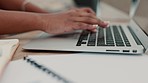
x=26, y=37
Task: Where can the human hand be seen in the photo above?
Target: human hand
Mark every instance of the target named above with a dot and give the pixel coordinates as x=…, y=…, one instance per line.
x=75, y=19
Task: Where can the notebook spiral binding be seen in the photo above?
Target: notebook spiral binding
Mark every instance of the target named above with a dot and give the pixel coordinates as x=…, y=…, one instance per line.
x=46, y=70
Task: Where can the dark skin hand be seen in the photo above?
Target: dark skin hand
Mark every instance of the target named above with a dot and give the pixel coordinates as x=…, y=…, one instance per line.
x=75, y=19
x=35, y=18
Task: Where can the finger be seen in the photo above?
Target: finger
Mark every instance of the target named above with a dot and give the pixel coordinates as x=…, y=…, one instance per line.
x=93, y=30
x=88, y=10
x=82, y=26
x=87, y=20
x=81, y=13
x=90, y=20
x=103, y=24
x=85, y=14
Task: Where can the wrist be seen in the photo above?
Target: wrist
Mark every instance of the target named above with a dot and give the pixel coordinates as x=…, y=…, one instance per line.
x=40, y=24
x=46, y=22
x=34, y=22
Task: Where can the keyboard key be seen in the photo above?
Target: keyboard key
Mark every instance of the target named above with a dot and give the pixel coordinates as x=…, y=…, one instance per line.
x=83, y=43
x=83, y=36
x=134, y=36
x=127, y=43
x=109, y=37
x=114, y=36
x=92, y=39
x=101, y=39
x=118, y=39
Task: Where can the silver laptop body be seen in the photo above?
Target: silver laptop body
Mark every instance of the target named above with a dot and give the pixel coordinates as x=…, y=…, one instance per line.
x=126, y=38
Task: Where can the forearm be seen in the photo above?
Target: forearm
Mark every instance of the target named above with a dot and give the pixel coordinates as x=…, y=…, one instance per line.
x=17, y=22
x=17, y=5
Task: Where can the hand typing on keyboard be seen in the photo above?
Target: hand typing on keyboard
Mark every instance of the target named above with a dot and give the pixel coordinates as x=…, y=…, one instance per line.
x=107, y=22
x=52, y=23
x=75, y=19
x=110, y=36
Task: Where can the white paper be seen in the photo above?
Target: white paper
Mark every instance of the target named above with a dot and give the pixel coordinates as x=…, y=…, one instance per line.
x=82, y=68
x=7, y=49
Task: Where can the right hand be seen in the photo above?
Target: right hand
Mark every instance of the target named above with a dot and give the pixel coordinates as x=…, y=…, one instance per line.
x=75, y=19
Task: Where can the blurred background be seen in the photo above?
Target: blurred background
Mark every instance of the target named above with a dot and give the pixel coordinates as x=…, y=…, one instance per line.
x=60, y=5
x=57, y=5
x=122, y=5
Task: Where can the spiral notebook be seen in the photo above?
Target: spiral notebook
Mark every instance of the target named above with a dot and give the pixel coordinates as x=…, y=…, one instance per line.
x=29, y=70
x=78, y=68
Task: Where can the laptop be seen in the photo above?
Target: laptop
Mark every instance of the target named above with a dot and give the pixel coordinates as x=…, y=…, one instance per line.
x=125, y=38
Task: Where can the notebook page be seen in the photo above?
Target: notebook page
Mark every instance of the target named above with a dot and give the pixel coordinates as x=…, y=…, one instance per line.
x=7, y=49
x=83, y=68
x=101, y=68
x=20, y=72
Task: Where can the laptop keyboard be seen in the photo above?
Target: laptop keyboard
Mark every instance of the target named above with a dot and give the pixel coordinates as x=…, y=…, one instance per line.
x=111, y=36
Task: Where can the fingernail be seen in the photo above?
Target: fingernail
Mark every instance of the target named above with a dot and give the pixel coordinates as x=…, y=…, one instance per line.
x=95, y=30
x=91, y=26
x=95, y=25
x=106, y=23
